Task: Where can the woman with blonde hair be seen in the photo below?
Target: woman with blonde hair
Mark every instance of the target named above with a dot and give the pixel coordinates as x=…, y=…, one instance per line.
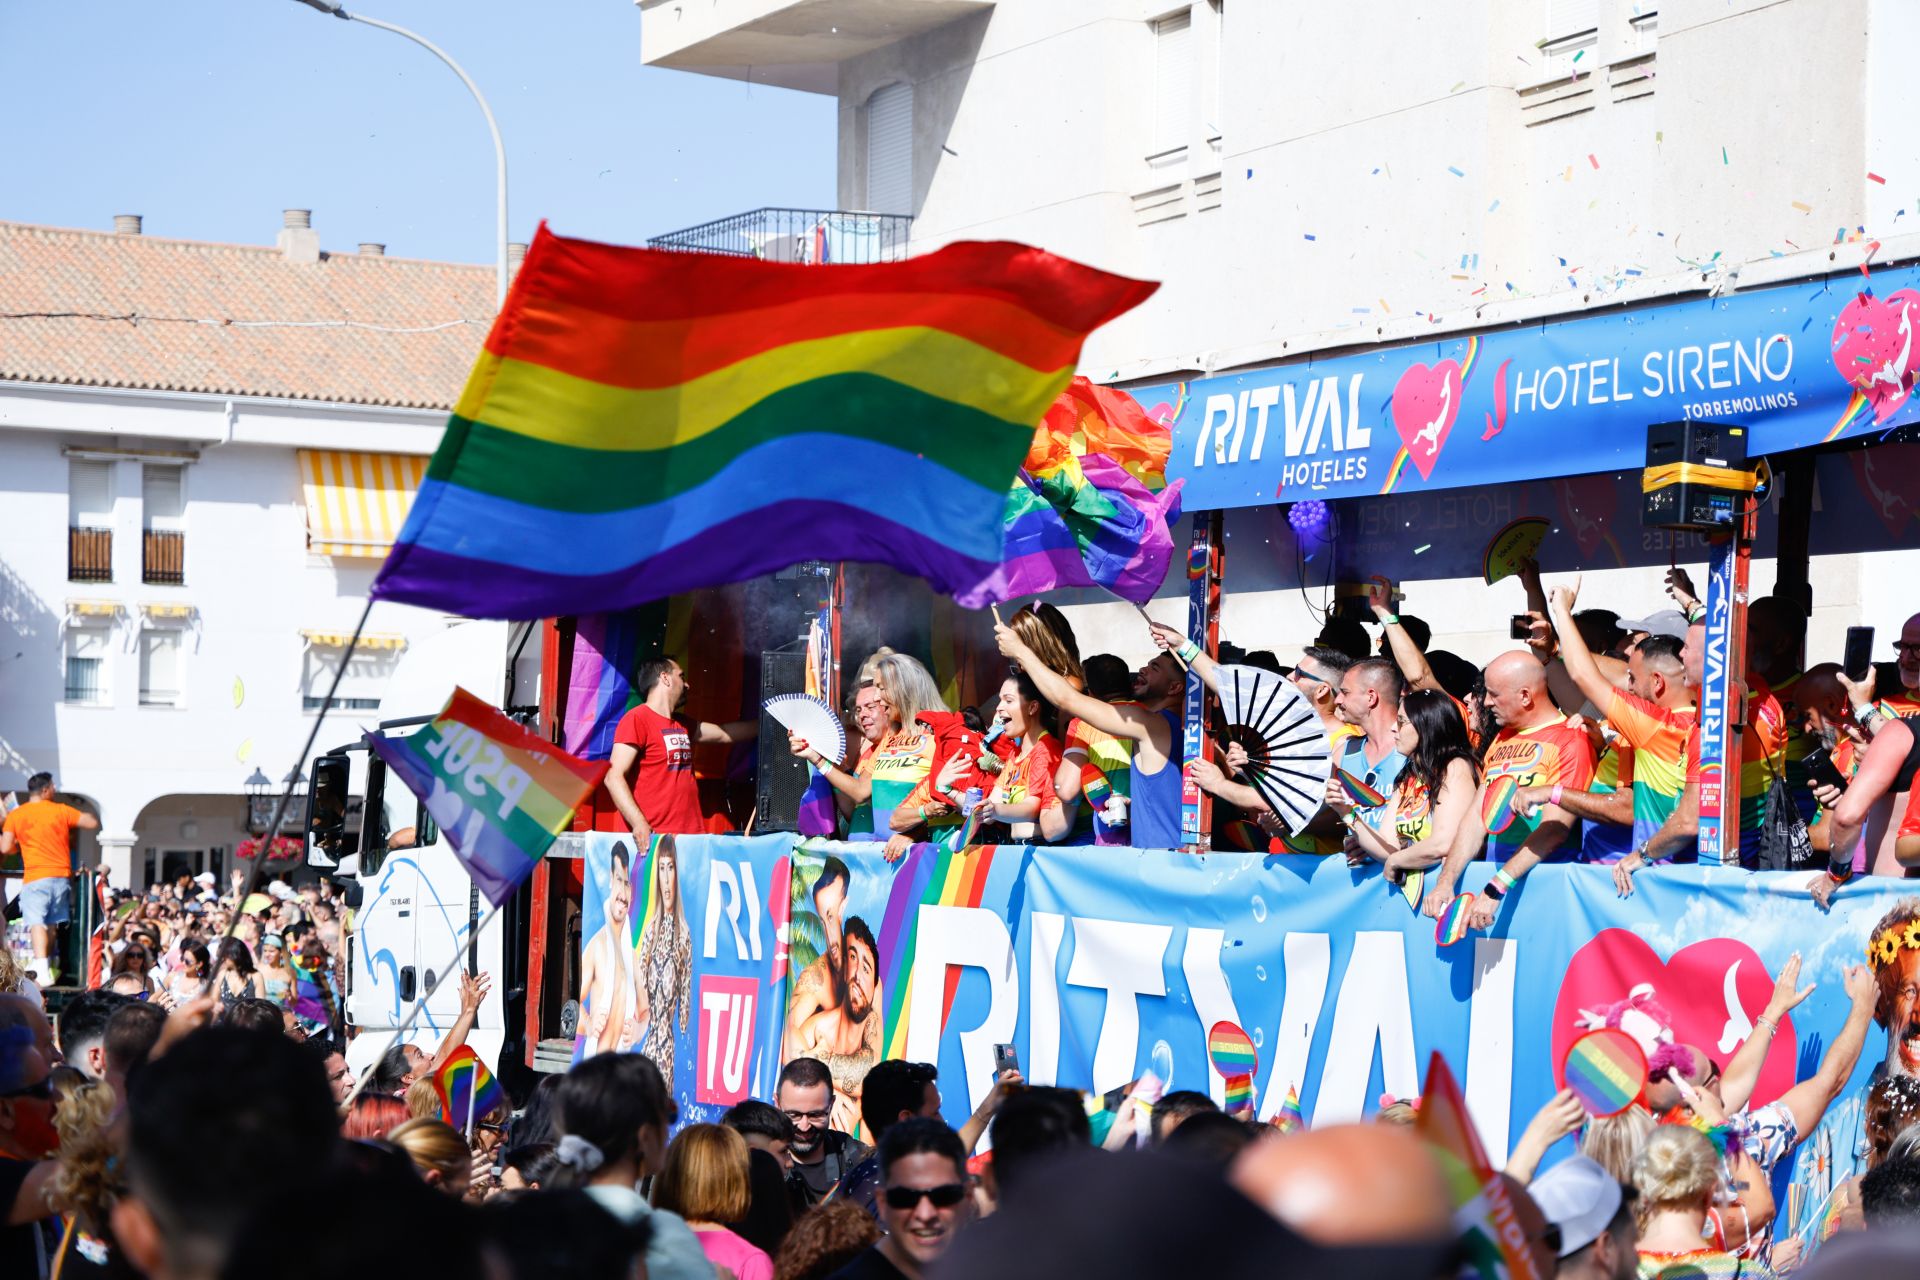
x=423, y=1100
x=1676, y=1174
x=704, y=1180
x=1613, y=1141
x=438, y=1153
x=904, y=757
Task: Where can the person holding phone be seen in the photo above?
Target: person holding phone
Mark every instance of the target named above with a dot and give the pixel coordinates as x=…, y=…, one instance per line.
x=1888, y=752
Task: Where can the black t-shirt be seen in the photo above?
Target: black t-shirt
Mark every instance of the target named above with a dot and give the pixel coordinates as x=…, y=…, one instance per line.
x=871, y=1265
x=842, y=1153
x=26, y=1250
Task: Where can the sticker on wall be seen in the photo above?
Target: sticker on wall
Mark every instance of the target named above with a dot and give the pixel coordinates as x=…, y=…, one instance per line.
x=239, y=691
x=245, y=753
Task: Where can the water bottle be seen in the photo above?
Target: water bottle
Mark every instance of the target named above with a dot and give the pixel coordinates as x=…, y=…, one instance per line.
x=971, y=801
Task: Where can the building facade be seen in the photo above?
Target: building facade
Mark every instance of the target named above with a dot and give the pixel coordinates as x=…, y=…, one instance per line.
x=1316, y=180
x=204, y=452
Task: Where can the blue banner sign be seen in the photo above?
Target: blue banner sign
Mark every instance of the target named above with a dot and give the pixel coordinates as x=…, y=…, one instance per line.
x=1799, y=364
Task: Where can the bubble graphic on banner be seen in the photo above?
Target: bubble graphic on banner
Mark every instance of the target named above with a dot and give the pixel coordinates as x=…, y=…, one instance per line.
x=1260, y=972
x=1259, y=909
x=1259, y=1038
x=1161, y=1059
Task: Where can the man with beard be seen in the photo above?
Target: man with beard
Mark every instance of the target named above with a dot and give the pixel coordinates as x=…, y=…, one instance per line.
x=606, y=980
x=847, y=1036
x=650, y=776
x=821, y=1156
x=818, y=986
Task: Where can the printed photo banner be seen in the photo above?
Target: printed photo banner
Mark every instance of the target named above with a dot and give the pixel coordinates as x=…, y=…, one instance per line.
x=1801, y=364
x=1103, y=964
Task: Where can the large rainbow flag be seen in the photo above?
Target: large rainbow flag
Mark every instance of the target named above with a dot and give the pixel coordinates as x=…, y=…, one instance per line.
x=498, y=793
x=642, y=423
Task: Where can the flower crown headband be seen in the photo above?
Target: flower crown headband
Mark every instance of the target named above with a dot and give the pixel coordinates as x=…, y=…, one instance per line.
x=1891, y=941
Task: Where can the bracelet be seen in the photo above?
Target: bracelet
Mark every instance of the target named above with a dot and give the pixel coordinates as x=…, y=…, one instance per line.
x=1768, y=1023
x=1505, y=879
x=1867, y=715
x=1188, y=652
x=1553, y=796
x=1391, y=620
x=825, y=766
x=1494, y=891
x=1840, y=874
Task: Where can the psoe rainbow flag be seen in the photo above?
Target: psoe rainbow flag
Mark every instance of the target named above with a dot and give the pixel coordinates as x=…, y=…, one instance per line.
x=642, y=423
x=498, y=794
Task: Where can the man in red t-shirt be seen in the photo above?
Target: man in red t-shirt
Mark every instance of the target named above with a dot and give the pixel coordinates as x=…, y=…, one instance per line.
x=651, y=769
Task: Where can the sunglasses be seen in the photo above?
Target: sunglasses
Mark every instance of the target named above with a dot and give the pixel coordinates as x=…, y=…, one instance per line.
x=44, y=1091
x=944, y=1196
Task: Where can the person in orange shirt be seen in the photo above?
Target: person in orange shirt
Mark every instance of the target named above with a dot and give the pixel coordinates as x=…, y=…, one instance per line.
x=42, y=829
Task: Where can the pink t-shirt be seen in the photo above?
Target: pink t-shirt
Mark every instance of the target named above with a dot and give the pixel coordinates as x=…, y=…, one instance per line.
x=725, y=1249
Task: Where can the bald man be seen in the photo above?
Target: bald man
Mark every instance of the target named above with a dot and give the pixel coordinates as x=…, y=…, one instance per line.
x=1536, y=747
x=1905, y=701
x=1350, y=1184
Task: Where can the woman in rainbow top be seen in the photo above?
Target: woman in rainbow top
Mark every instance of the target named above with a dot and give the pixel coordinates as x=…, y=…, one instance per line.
x=1025, y=786
x=1433, y=796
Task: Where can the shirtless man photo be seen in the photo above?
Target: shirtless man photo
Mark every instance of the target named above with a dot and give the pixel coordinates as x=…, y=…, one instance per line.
x=606, y=974
x=818, y=986
x=847, y=1037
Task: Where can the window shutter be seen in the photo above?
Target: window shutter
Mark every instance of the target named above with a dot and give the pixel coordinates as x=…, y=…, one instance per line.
x=160, y=668
x=890, y=150
x=1570, y=17
x=1172, y=82
x=89, y=494
x=160, y=496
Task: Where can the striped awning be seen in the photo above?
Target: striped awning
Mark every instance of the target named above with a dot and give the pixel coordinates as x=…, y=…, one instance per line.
x=356, y=502
x=339, y=639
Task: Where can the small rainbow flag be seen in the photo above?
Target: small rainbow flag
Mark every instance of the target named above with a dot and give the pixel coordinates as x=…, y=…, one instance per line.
x=467, y=1089
x=498, y=793
x=643, y=423
x=1497, y=805
x=1231, y=1050
x=1289, y=1118
x=1452, y=924
x=1481, y=1200
x=1359, y=790
x=1607, y=1071
x=1239, y=1095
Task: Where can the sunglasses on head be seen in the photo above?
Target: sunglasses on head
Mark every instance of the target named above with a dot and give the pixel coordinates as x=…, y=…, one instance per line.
x=944, y=1196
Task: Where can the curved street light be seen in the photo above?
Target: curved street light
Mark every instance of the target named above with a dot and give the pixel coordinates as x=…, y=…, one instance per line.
x=499, y=150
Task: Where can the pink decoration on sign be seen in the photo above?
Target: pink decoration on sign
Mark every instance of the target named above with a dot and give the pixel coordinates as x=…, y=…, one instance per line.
x=1425, y=403
x=1874, y=350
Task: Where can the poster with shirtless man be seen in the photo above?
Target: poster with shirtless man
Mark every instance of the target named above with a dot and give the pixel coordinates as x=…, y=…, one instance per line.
x=636, y=952
x=835, y=1007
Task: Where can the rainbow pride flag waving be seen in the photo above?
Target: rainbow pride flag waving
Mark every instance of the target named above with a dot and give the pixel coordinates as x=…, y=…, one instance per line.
x=1491, y=1237
x=467, y=1089
x=498, y=794
x=643, y=423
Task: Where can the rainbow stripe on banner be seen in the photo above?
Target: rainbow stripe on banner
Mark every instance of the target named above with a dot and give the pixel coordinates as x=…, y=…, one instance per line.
x=930, y=876
x=1359, y=790
x=498, y=794
x=644, y=423
x=467, y=1089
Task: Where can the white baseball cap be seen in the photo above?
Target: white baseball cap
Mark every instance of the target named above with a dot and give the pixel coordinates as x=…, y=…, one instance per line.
x=1580, y=1198
x=205, y=877
x=279, y=889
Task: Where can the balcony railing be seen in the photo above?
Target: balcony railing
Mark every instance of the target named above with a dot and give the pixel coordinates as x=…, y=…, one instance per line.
x=89, y=555
x=798, y=235
x=163, y=558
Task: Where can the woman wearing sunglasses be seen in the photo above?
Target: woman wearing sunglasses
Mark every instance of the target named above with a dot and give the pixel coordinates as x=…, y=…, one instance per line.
x=1435, y=790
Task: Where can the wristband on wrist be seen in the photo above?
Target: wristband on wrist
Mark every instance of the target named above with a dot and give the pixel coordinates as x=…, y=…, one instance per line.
x=1504, y=879
x=1494, y=891
x=1189, y=651
x=1697, y=613
x=1390, y=620
x=1553, y=796
x=1764, y=1021
x=1840, y=872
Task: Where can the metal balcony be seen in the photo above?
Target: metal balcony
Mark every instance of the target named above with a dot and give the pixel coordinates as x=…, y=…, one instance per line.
x=89, y=554
x=163, y=557
x=798, y=235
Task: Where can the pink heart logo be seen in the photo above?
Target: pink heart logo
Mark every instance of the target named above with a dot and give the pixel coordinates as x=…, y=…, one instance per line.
x=1888, y=484
x=1711, y=990
x=1425, y=404
x=1874, y=350
x=1161, y=414
x=1587, y=504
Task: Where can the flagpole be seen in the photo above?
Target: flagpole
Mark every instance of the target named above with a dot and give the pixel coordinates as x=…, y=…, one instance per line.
x=419, y=1007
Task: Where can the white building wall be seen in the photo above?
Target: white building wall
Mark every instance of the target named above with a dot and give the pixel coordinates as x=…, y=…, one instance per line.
x=249, y=578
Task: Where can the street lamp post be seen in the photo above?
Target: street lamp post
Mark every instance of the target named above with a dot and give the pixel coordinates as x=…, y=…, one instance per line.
x=499, y=151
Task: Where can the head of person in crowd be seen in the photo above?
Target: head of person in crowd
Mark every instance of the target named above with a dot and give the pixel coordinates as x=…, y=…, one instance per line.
x=1108, y=678
x=924, y=1198
x=1417, y=630
x=764, y=1126
x=661, y=681
x=1592, y=1211
x=27, y=1061
x=421, y=1099
x=130, y=986
x=232, y=956
x=1455, y=674
x=1896, y=973
x=1431, y=735
x=1693, y=654
x=536, y=1122
x=83, y=1030
x=373, y=1115
x=1345, y=635
x=804, y=1094
x=333, y=1064
x=1026, y=714
x=1665, y=622
x=1890, y=1194
x=255, y=1015
x=1892, y=1107
x=1403, y=1113
x=1656, y=672
x=1174, y=1108
x=1676, y=1173
x=1033, y=1124
x=897, y=1090
x=561, y=1235
x=1357, y=1184
x=907, y=686
x=824, y=1240
x=1211, y=1138
x=1674, y=1062
x=1369, y=695
x=225, y=1123
x=1517, y=691
x=438, y=1152
x=529, y=1167
x=769, y=1213
x=613, y=1114
x=1045, y=630
x=1160, y=681
x=395, y=1069
x=869, y=712
x=705, y=1177
x=1318, y=675
x=132, y=1032
x=135, y=958
x=1612, y=1141
x=1599, y=629
x=1776, y=637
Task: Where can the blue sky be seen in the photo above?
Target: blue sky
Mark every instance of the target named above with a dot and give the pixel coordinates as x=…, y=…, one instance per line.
x=210, y=116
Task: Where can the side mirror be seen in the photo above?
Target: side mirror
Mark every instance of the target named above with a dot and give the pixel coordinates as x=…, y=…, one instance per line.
x=328, y=839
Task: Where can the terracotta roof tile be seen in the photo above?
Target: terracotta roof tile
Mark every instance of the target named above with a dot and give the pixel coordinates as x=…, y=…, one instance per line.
x=55, y=282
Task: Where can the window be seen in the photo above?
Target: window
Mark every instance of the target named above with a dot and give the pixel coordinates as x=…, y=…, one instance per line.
x=1572, y=26
x=890, y=150
x=162, y=498
x=360, y=688
x=1173, y=100
x=89, y=494
x=160, y=653
x=87, y=657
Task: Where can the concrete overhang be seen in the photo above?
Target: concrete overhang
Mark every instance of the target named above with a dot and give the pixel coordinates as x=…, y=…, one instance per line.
x=795, y=44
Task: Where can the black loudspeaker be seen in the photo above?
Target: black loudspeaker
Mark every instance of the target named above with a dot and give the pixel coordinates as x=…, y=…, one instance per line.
x=782, y=776
x=1696, y=473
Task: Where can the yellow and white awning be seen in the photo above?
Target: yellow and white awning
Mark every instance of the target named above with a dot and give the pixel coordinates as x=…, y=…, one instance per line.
x=356, y=502
x=339, y=639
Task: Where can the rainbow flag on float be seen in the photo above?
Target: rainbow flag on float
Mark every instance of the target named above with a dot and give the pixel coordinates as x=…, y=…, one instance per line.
x=1481, y=1201
x=498, y=793
x=467, y=1089
x=643, y=423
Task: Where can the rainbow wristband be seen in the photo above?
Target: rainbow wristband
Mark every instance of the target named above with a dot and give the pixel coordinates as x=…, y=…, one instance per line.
x=1504, y=880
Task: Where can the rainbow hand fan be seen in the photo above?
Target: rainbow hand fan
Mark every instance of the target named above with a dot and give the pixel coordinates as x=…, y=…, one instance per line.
x=1362, y=792
x=1497, y=805
x=1452, y=924
x=1231, y=1050
x=1607, y=1071
x=1289, y=760
x=812, y=720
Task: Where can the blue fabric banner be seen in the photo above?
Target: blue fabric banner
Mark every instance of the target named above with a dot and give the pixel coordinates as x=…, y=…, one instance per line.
x=1101, y=964
x=1799, y=364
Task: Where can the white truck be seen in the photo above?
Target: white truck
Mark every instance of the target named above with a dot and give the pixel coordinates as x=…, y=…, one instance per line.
x=417, y=906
